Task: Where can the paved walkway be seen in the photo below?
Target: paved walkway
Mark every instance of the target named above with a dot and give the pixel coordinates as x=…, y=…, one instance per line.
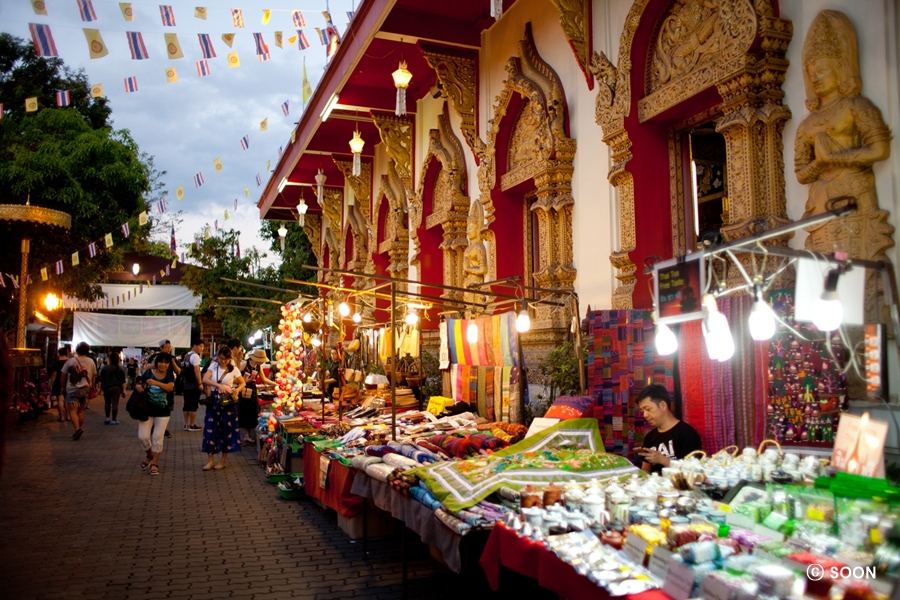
x=81, y=520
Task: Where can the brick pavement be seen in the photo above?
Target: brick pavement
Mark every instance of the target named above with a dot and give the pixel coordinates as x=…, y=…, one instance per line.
x=81, y=520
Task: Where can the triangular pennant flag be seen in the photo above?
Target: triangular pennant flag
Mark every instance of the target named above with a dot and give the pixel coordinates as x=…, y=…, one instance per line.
x=293, y=136
x=44, y=274
x=171, y=75
x=174, y=263
x=247, y=191
x=107, y=239
x=142, y=218
x=233, y=60
x=162, y=273
x=218, y=165
x=279, y=36
x=127, y=12
x=228, y=38
x=264, y=124
x=179, y=193
x=75, y=260
x=39, y=7
x=268, y=166
x=97, y=90
x=173, y=48
x=266, y=14
x=96, y=47
x=200, y=12
x=307, y=88
x=31, y=104
x=291, y=40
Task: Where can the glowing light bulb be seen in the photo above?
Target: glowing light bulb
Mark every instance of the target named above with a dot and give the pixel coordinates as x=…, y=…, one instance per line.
x=412, y=317
x=666, y=342
x=357, y=318
x=278, y=339
x=315, y=341
x=762, y=321
x=719, y=343
x=523, y=321
x=827, y=312
x=307, y=318
x=344, y=309
x=472, y=333
x=135, y=269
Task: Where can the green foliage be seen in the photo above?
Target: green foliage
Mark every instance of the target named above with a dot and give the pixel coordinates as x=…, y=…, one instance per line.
x=557, y=373
x=297, y=251
x=433, y=384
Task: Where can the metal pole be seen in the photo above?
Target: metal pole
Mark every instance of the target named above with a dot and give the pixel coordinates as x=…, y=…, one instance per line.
x=23, y=293
x=394, y=378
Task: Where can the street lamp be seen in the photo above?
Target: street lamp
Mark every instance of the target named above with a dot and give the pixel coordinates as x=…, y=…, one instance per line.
x=52, y=301
x=135, y=268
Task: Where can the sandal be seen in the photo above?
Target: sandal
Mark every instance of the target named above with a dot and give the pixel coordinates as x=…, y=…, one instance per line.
x=145, y=464
x=154, y=470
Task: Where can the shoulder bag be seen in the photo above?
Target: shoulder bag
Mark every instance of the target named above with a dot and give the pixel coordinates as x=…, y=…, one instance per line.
x=225, y=399
x=137, y=406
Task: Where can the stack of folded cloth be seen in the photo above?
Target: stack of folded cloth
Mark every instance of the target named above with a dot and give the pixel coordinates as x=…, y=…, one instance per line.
x=405, y=398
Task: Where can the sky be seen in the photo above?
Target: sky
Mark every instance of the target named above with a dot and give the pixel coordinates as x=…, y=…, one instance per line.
x=186, y=125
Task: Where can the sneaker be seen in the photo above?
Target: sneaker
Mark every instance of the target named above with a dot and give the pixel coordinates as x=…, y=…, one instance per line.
x=114, y=423
x=186, y=428
x=195, y=428
x=168, y=435
x=106, y=421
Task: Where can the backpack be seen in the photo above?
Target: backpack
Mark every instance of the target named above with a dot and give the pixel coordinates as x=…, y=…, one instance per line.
x=188, y=369
x=76, y=372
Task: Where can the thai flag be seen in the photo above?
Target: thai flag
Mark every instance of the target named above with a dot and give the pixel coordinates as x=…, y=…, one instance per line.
x=198, y=180
x=136, y=45
x=350, y=15
x=153, y=279
x=131, y=84
x=206, y=46
x=59, y=267
x=299, y=21
x=280, y=151
x=263, y=57
x=258, y=180
x=322, y=39
x=182, y=257
x=86, y=9
x=92, y=249
x=202, y=68
x=172, y=246
x=168, y=15
x=261, y=47
x=302, y=43
x=237, y=17
x=197, y=241
x=15, y=281
x=42, y=40
x=235, y=204
x=126, y=230
x=63, y=98
x=239, y=248
x=216, y=224
x=334, y=40
x=285, y=108
x=168, y=270
x=245, y=142
x=161, y=206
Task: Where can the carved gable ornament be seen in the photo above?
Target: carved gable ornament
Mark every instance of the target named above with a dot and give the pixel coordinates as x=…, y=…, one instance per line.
x=696, y=45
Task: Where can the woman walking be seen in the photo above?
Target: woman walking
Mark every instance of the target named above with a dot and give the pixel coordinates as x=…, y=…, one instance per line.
x=220, y=429
x=57, y=393
x=112, y=382
x=157, y=383
x=78, y=377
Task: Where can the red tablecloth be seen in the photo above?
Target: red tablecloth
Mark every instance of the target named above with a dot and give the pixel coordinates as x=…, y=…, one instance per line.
x=532, y=559
x=336, y=495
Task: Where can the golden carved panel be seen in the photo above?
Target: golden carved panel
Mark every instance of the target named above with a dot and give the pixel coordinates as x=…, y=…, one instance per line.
x=333, y=216
x=396, y=134
x=361, y=185
x=575, y=20
x=457, y=75
x=393, y=190
x=312, y=226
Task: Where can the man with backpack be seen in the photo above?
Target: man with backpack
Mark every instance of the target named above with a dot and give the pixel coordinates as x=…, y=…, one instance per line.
x=192, y=381
x=78, y=377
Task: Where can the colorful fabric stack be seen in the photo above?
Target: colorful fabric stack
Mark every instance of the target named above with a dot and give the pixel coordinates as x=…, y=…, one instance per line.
x=466, y=445
x=490, y=391
x=497, y=343
x=510, y=432
x=571, y=407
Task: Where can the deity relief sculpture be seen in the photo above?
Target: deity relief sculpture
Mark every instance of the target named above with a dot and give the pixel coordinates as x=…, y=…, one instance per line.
x=475, y=256
x=840, y=140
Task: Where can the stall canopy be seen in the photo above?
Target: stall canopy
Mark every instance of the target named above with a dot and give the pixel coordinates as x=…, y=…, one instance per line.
x=144, y=297
x=100, y=329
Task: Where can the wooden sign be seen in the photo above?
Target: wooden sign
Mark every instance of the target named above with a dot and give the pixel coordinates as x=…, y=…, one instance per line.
x=679, y=288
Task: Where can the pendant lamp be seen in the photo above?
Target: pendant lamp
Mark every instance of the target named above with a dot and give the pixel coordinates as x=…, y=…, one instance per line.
x=356, y=147
x=401, y=77
x=320, y=184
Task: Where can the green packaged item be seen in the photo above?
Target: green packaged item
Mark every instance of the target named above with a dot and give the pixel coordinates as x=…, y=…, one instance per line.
x=755, y=509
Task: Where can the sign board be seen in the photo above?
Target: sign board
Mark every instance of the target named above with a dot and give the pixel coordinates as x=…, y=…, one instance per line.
x=635, y=549
x=679, y=581
x=679, y=288
x=859, y=445
x=659, y=562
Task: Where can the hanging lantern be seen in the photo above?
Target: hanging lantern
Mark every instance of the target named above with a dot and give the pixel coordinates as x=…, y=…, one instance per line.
x=496, y=9
x=301, y=212
x=282, y=233
x=320, y=184
x=402, y=77
x=356, y=147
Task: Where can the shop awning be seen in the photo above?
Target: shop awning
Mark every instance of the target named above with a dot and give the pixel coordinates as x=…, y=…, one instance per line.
x=146, y=297
x=98, y=329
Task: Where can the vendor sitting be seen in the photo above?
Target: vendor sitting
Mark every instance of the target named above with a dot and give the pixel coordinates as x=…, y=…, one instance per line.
x=669, y=438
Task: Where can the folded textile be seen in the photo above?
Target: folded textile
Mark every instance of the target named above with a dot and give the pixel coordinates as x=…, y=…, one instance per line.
x=362, y=461
x=379, y=471
x=454, y=524
x=379, y=450
x=423, y=457
x=485, y=441
x=424, y=496
x=429, y=446
x=458, y=447
x=402, y=482
x=353, y=434
x=399, y=461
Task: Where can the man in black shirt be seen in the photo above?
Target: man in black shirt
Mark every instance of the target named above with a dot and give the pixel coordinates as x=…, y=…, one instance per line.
x=669, y=438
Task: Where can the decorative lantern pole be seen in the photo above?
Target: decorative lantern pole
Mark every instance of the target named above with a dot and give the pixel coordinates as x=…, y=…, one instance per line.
x=401, y=77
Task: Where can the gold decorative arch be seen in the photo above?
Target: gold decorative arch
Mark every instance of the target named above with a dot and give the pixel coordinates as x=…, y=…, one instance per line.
x=358, y=218
x=333, y=231
x=312, y=226
x=736, y=46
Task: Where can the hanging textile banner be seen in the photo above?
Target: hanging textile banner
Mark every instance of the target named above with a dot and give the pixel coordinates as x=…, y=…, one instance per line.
x=496, y=345
x=100, y=329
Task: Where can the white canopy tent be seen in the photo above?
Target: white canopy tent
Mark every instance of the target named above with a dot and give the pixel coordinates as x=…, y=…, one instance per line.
x=140, y=297
x=100, y=329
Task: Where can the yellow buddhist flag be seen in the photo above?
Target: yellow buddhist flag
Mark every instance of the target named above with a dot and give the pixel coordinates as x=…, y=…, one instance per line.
x=200, y=12
x=266, y=14
x=107, y=240
x=175, y=264
x=293, y=136
x=218, y=165
x=233, y=60
x=247, y=192
x=97, y=90
x=228, y=38
x=171, y=75
x=306, y=87
x=162, y=273
x=278, y=39
x=44, y=274
x=127, y=13
x=75, y=261
x=179, y=193
x=227, y=215
x=173, y=47
x=268, y=166
x=264, y=124
x=31, y=104
x=206, y=233
x=39, y=7
x=291, y=40
x=96, y=47
x=142, y=218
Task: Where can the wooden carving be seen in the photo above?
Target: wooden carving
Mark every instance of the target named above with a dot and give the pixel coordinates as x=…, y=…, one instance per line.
x=475, y=255
x=457, y=76
x=312, y=226
x=396, y=133
x=332, y=213
x=393, y=190
x=837, y=144
x=575, y=19
x=358, y=215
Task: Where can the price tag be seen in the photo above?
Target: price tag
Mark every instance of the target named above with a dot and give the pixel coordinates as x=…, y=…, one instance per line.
x=659, y=562
x=636, y=548
x=679, y=581
x=713, y=588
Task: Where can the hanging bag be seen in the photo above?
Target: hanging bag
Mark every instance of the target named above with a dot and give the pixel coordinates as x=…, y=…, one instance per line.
x=137, y=406
x=227, y=400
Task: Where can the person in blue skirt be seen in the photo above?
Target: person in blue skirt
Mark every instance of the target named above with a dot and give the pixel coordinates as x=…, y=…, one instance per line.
x=220, y=428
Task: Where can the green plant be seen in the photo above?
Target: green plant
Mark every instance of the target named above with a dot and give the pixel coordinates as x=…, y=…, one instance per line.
x=557, y=373
x=433, y=384
x=375, y=369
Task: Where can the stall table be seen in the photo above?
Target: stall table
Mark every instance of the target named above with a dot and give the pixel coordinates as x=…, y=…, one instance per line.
x=336, y=495
x=532, y=559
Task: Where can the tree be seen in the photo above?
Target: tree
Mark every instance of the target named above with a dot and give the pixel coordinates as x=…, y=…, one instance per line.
x=67, y=159
x=297, y=254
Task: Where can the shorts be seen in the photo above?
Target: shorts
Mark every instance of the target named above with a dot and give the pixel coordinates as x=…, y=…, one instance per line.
x=77, y=395
x=191, y=400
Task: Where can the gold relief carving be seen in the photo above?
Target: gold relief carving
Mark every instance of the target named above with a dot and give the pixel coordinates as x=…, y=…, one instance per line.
x=696, y=45
x=475, y=255
x=457, y=76
x=838, y=143
x=575, y=19
x=361, y=185
x=396, y=133
x=358, y=219
x=312, y=226
x=333, y=213
x=393, y=190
